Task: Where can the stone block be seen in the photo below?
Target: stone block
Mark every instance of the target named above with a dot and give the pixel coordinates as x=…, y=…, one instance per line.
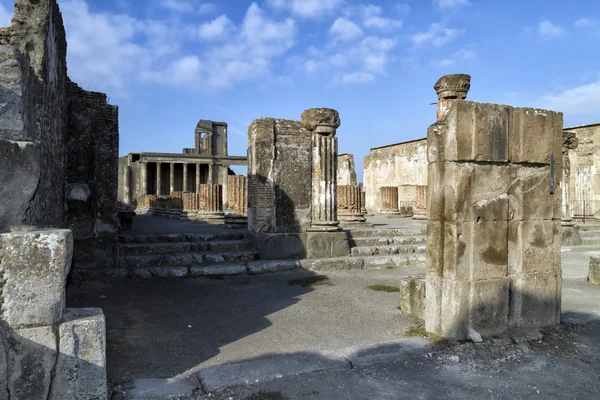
x=412, y=296
x=529, y=193
x=327, y=244
x=435, y=247
x=31, y=357
x=280, y=246
x=533, y=247
x=534, y=135
x=477, y=131
x=535, y=300
x=455, y=310
x=81, y=367
x=34, y=269
x=489, y=306
x=594, y=271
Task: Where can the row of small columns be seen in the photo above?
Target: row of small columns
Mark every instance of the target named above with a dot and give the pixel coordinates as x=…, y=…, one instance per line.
x=144, y=177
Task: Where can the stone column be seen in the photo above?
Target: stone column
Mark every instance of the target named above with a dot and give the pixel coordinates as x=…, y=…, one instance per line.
x=323, y=123
x=126, y=184
x=185, y=177
x=450, y=88
x=363, y=202
x=350, y=206
x=158, y=179
x=389, y=200
x=172, y=178
x=225, y=169
x=210, y=173
x=238, y=194
x=197, y=188
x=144, y=178
x=493, y=229
x=570, y=142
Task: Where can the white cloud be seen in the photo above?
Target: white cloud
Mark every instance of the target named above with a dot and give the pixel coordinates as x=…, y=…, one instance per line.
x=445, y=4
x=437, y=35
x=578, y=101
x=461, y=55
x=307, y=8
x=5, y=16
x=215, y=29
x=548, y=30
x=343, y=29
x=583, y=22
x=249, y=54
x=358, y=77
x=373, y=19
x=403, y=8
x=188, y=6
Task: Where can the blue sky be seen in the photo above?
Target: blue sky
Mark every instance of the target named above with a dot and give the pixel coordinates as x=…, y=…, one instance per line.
x=169, y=63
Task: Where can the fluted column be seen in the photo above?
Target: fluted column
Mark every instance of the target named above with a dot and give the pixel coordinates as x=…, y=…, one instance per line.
x=197, y=188
x=144, y=178
x=185, y=177
x=570, y=142
x=389, y=200
x=172, y=178
x=349, y=205
x=158, y=180
x=323, y=123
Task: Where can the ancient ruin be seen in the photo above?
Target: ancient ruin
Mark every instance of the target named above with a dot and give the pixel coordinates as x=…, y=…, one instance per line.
x=493, y=258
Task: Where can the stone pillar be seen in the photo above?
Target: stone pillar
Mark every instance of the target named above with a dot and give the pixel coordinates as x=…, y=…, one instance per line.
x=185, y=177
x=363, y=202
x=127, y=184
x=493, y=234
x=389, y=200
x=158, y=180
x=210, y=173
x=350, y=206
x=144, y=178
x=172, y=178
x=225, y=172
x=570, y=142
x=450, y=88
x=323, y=123
x=197, y=188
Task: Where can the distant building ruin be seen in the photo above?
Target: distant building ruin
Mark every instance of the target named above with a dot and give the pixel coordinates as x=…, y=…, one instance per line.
x=160, y=174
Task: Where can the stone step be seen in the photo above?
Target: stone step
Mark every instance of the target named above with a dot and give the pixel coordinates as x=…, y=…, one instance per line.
x=361, y=233
x=184, y=259
x=182, y=237
x=580, y=248
x=589, y=234
x=215, y=269
x=590, y=240
x=387, y=249
x=365, y=262
x=382, y=241
x=588, y=227
x=183, y=247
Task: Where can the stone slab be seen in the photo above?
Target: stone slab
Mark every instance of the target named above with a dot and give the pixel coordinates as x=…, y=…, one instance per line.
x=594, y=271
x=81, y=367
x=34, y=269
x=327, y=244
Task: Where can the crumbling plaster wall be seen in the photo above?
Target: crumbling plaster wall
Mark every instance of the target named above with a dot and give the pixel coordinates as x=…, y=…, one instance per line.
x=403, y=165
x=585, y=165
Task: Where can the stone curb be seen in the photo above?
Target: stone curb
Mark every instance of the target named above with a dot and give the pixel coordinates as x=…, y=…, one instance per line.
x=272, y=367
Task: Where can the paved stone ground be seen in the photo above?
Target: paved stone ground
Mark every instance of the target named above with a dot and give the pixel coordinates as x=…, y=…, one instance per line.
x=248, y=328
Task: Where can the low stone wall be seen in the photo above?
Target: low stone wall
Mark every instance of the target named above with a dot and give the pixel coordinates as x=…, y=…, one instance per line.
x=46, y=351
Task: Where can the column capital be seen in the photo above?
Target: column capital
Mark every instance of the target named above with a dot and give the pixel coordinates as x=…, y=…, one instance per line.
x=321, y=120
x=454, y=86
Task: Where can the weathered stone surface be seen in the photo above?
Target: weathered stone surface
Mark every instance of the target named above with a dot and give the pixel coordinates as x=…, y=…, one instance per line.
x=261, y=267
x=346, y=173
x=327, y=244
x=535, y=135
x=80, y=371
x=322, y=120
x=489, y=306
x=534, y=246
x=35, y=266
x=169, y=272
x=535, y=300
x=31, y=357
x=412, y=295
x=19, y=174
x=594, y=271
x=225, y=269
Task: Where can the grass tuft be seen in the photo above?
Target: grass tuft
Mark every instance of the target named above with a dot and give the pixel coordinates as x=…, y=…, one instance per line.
x=419, y=331
x=311, y=281
x=384, y=288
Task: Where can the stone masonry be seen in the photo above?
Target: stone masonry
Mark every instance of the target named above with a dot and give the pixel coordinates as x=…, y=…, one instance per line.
x=292, y=209
x=346, y=174
x=46, y=351
x=58, y=142
x=493, y=237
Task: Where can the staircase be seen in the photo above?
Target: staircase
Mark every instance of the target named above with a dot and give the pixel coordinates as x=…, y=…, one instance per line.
x=590, y=236
x=377, y=249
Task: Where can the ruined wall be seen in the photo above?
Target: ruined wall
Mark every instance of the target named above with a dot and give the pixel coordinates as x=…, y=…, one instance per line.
x=34, y=86
x=279, y=201
x=403, y=165
x=91, y=177
x=346, y=173
x=493, y=235
x=585, y=170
